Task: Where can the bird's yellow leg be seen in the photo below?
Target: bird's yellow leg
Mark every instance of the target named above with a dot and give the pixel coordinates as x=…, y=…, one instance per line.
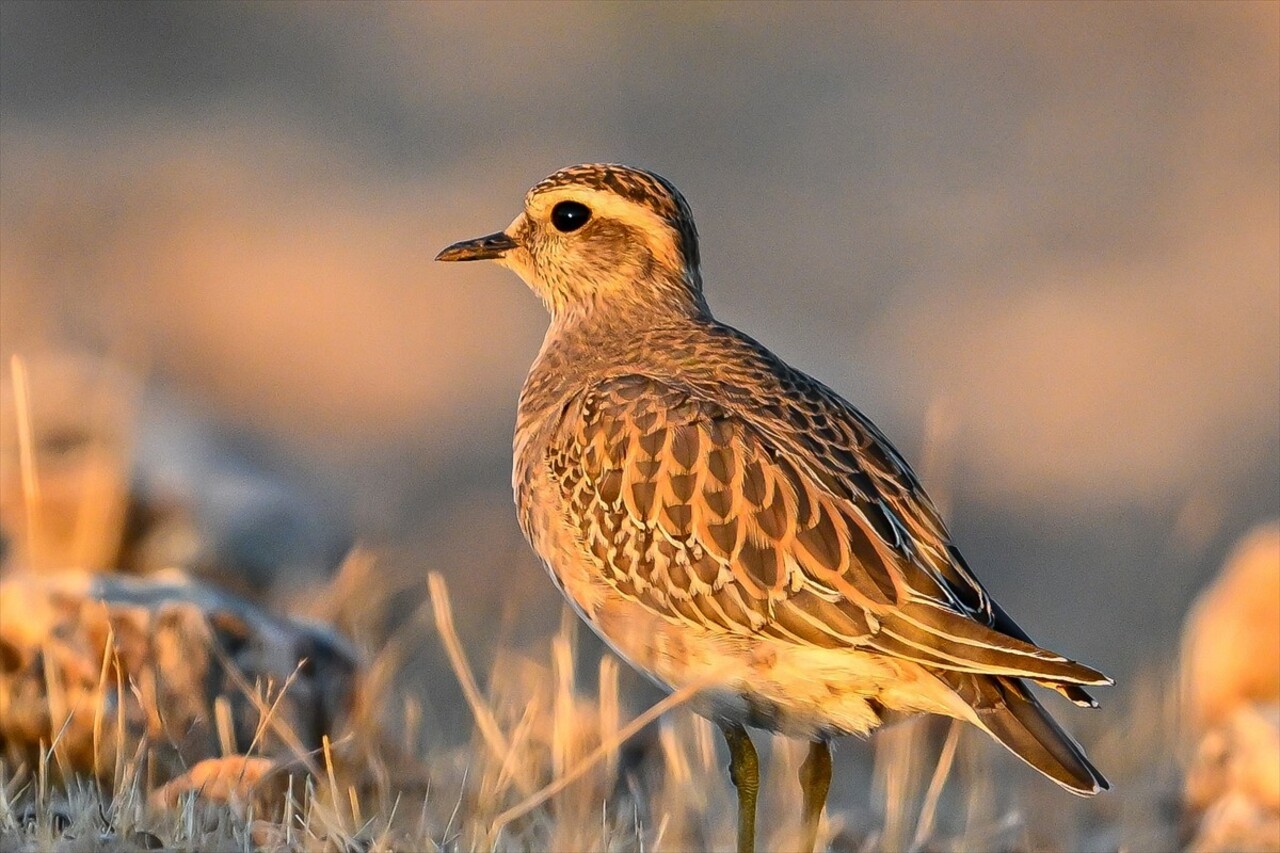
x=815, y=780
x=744, y=770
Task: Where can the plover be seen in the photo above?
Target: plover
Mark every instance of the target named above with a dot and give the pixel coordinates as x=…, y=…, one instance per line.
x=716, y=515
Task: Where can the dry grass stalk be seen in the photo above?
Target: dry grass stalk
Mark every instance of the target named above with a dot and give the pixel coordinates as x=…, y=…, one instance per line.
x=484, y=718
x=27, y=455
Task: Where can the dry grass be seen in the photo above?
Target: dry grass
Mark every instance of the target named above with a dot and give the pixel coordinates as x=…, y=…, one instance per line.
x=558, y=764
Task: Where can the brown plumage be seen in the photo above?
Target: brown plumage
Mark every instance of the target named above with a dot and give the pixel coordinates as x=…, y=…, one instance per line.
x=716, y=514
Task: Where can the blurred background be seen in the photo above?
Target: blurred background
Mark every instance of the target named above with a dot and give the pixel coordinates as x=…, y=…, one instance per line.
x=1036, y=243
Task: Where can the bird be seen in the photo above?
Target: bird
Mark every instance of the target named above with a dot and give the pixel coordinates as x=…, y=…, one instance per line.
x=721, y=519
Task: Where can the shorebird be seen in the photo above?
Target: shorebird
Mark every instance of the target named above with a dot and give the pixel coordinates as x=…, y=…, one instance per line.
x=716, y=515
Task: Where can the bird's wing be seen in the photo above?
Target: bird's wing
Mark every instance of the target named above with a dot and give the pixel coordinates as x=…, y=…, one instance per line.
x=824, y=428
x=706, y=517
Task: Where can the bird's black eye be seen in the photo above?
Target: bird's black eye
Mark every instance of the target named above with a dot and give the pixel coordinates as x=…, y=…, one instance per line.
x=570, y=216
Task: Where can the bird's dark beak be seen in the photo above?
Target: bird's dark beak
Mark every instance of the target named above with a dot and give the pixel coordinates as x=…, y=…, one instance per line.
x=479, y=249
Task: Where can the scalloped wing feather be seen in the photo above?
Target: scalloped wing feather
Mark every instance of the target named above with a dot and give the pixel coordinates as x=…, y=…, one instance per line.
x=752, y=525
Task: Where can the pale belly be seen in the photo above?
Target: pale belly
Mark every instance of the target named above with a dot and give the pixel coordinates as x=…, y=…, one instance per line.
x=797, y=690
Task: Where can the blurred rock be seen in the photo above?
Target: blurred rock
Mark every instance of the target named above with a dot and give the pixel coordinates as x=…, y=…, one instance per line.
x=103, y=663
x=1231, y=641
x=81, y=415
x=1231, y=702
x=125, y=481
x=216, y=504
x=1233, y=784
x=236, y=780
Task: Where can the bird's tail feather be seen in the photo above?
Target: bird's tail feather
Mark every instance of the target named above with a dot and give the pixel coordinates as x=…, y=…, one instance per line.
x=1006, y=710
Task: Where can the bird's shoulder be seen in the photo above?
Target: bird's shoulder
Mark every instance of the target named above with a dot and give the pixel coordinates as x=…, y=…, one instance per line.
x=715, y=398
x=736, y=376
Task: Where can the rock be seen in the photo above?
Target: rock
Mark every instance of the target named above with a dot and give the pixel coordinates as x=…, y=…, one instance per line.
x=85, y=657
x=118, y=477
x=1231, y=642
x=82, y=417
x=1231, y=702
x=236, y=780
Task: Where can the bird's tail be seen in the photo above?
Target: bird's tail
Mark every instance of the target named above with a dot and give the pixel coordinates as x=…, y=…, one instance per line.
x=1005, y=708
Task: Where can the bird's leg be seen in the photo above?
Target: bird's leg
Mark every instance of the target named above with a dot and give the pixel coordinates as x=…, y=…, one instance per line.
x=815, y=780
x=744, y=770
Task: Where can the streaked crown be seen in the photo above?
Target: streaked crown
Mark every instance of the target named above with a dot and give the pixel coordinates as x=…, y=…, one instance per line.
x=638, y=186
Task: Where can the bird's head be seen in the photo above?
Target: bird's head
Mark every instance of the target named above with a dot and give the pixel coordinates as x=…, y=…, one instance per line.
x=599, y=236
